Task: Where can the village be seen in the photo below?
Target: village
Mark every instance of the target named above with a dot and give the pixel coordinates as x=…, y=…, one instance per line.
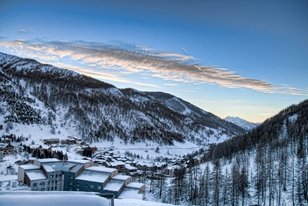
x=135, y=166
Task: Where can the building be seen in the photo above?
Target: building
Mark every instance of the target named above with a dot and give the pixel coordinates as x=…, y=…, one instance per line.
x=75, y=175
x=51, y=141
x=6, y=149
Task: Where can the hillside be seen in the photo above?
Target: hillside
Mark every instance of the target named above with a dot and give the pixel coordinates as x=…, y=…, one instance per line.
x=35, y=93
x=266, y=166
x=241, y=123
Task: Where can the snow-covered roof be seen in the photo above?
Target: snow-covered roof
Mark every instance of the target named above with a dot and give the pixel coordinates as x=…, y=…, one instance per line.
x=48, y=160
x=121, y=177
x=35, y=175
x=73, y=169
x=129, y=167
x=114, y=164
x=3, y=145
x=131, y=193
x=135, y=185
x=101, y=169
x=114, y=185
x=80, y=161
x=48, y=168
x=93, y=176
x=29, y=167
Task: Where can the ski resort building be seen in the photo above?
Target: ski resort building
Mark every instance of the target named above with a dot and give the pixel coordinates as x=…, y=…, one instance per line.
x=77, y=175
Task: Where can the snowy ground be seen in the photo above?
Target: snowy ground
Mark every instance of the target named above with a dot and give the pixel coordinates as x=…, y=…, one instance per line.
x=66, y=198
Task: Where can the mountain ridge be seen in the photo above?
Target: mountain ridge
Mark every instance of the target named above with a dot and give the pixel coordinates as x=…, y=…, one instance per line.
x=98, y=110
x=241, y=122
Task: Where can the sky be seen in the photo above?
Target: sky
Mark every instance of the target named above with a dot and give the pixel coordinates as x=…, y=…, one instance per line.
x=232, y=58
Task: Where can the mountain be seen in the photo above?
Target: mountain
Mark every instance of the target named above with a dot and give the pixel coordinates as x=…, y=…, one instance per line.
x=32, y=93
x=264, y=166
x=241, y=123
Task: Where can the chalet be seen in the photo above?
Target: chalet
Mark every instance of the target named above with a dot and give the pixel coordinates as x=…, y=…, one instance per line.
x=131, y=170
x=118, y=165
x=51, y=141
x=12, y=137
x=5, y=140
x=7, y=149
x=68, y=141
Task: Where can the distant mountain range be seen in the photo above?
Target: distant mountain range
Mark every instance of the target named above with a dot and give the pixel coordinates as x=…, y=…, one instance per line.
x=246, y=125
x=34, y=93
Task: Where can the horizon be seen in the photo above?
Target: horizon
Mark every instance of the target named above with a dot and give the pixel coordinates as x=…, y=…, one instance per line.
x=222, y=57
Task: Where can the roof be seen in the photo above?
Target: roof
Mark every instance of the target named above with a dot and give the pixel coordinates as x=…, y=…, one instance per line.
x=117, y=163
x=48, y=168
x=35, y=175
x=79, y=161
x=135, y=185
x=75, y=168
x=121, y=177
x=48, y=160
x=129, y=167
x=101, y=169
x=58, y=166
x=93, y=176
x=114, y=185
x=29, y=167
x=131, y=193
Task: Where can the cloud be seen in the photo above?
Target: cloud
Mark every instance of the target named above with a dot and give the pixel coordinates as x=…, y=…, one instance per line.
x=124, y=59
x=25, y=30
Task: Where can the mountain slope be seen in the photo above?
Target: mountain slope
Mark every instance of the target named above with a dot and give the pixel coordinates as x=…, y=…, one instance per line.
x=241, y=123
x=35, y=93
x=265, y=166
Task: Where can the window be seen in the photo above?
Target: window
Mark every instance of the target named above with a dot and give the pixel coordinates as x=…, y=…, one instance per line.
x=34, y=184
x=99, y=187
x=42, y=183
x=91, y=186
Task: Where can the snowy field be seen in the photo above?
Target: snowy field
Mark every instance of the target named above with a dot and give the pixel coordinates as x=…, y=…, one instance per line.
x=66, y=198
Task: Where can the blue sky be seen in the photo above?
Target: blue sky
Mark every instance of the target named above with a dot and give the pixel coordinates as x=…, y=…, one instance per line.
x=238, y=58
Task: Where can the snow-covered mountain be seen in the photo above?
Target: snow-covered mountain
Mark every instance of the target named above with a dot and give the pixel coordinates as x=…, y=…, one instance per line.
x=32, y=93
x=246, y=125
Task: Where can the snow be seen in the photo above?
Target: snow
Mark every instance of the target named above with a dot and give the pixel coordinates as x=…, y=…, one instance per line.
x=131, y=193
x=136, y=185
x=35, y=175
x=48, y=160
x=29, y=167
x=101, y=169
x=114, y=185
x=93, y=176
x=51, y=199
x=121, y=177
x=241, y=122
x=129, y=167
x=30, y=198
x=293, y=118
x=48, y=168
x=79, y=161
x=134, y=202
